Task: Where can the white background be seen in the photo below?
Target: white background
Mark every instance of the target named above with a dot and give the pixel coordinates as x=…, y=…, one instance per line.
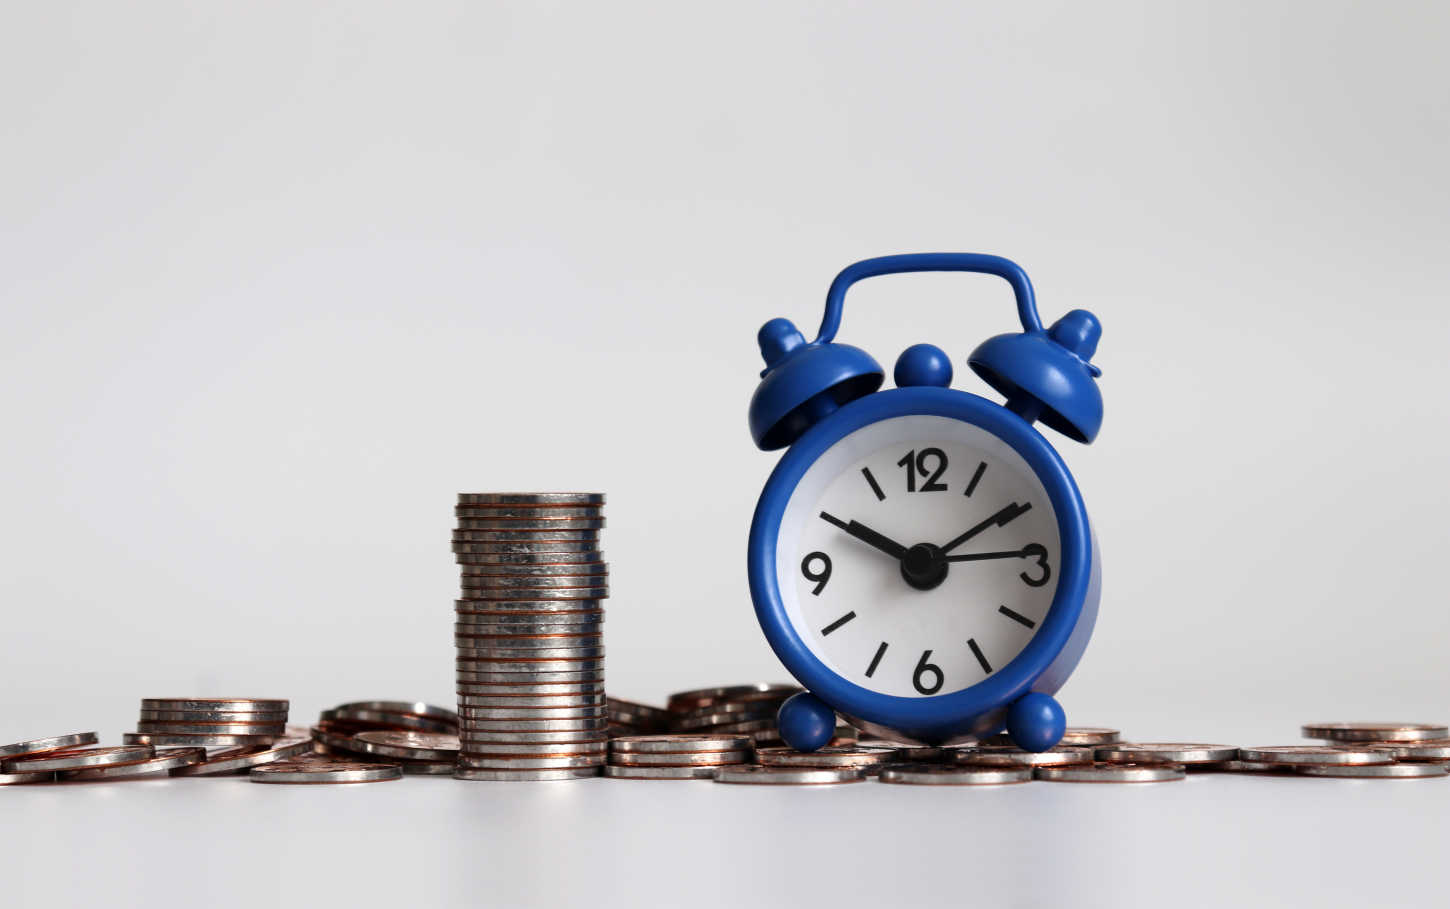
x=278, y=280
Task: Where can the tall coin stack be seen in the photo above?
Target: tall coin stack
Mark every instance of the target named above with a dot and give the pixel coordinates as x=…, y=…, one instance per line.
x=529, y=636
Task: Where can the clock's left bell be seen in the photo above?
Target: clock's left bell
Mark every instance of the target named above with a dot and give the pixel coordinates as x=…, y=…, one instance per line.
x=803, y=383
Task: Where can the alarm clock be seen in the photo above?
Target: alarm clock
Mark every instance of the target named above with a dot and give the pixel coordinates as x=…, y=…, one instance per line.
x=921, y=559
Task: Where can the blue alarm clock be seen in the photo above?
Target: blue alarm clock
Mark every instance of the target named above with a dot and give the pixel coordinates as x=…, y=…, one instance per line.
x=921, y=560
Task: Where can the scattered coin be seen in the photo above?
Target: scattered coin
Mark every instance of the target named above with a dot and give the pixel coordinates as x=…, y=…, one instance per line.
x=159, y=727
x=335, y=772
x=1313, y=754
x=1089, y=735
x=14, y=779
x=77, y=759
x=1414, y=770
x=408, y=709
x=622, y=772
x=1429, y=750
x=679, y=744
x=205, y=741
x=863, y=757
x=683, y=759
x=1254, y=767
x=235, y=705
x=537, y=749
x=524, y=762
x=684, y=701
x=953, y=775
x=413, y=746
x=787, y=776
x=1166, y=753
x=159, y=764
x=1112, y=773
x=524, y=776
x=54, y=743
x=1376, y=732
x=1012, y=756
x=231, y=760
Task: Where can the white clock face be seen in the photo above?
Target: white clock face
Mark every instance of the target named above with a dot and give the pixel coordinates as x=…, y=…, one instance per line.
x=918, y=555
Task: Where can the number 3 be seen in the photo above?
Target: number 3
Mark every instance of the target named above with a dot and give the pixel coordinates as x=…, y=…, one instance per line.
x=1040, y=552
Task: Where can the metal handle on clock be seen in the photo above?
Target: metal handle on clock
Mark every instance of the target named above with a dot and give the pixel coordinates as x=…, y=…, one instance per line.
x=977, y=263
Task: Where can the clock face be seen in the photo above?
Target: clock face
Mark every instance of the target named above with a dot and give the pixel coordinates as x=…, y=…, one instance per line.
x=918, y=555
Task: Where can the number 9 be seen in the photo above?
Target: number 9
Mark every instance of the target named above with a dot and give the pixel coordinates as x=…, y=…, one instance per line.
x=820, y=577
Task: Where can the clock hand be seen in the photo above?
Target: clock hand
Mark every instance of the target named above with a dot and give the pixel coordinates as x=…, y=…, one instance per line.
x=1000, y=519
x=867, y=535
x=981, y=556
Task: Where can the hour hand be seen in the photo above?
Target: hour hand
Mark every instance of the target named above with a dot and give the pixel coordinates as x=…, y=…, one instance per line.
x=867, y=535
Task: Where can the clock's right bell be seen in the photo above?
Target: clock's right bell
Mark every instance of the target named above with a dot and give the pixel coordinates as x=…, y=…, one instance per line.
x=1048, y=375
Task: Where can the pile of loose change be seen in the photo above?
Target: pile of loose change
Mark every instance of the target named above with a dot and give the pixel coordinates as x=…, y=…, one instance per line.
x=368, y=741
x=529, y=635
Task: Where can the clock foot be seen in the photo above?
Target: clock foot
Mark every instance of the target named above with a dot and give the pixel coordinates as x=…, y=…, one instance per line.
x=806, y=722
x=1035, y=721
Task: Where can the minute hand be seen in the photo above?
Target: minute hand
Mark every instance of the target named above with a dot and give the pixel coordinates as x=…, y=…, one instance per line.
x=1000, y=519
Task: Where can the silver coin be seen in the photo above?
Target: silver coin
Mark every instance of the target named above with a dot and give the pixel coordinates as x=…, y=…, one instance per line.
x=505, y=623
x=620, y=772
x=336, y=772
x=525, y=666
x=527, y=642
x=1252, y=767
x=523, y=548
x=163, y=761
x=678, y=744
x=530, y=587
x=234, y=705
x=693, y=759
x=78, y=759
x=205, y=741
x=412, y=746
x=387, y=718
x=1112, y=773
x=701, y=697
x=201, y=716
x=1090, y=735
x=569, y=634
x=1313, y=754
x=531, y=498
x=861, y=756
x=231, y=760
x=534, y=524
x=487, y=563
x=483, y=682
x=526, y=608
x=528, y=512
x=1377, y=771
x=408, y=708
x=582, y=724
x=53, y=743
x=14, y=779
x=482, y=740
x=1429, y=750
x=507, y=655
x=521, y=762
x=483, y=554
x=533, y=749
x=517, y=594
x=167, y=727
x=531, y=713
x=1167, y=753
x=595, y=699
x=428, y=768
x=953, y=775
x=783, y=776
x=1376, y=732
x=527, y=536
x=1012, y=756
x=535, y=570
x=525, y=776
x=338, y=741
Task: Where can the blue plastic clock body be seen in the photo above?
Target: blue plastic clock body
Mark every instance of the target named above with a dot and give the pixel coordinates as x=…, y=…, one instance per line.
x=813, y=395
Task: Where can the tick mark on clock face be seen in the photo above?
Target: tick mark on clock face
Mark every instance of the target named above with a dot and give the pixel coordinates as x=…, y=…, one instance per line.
x=875, y=486
x=976, y=478
x=838, y=623
x=981, y=658
x=1016, y=616
x=876, y=660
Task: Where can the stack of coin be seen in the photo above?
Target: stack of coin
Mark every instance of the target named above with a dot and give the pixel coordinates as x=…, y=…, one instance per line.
x=733, y=709
x=209, y=722
x=529, y=636
x=633, y=718
x=418, y=737
x=675, y=757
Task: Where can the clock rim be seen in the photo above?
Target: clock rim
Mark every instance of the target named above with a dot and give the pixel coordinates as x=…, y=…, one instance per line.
x=935, y=716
